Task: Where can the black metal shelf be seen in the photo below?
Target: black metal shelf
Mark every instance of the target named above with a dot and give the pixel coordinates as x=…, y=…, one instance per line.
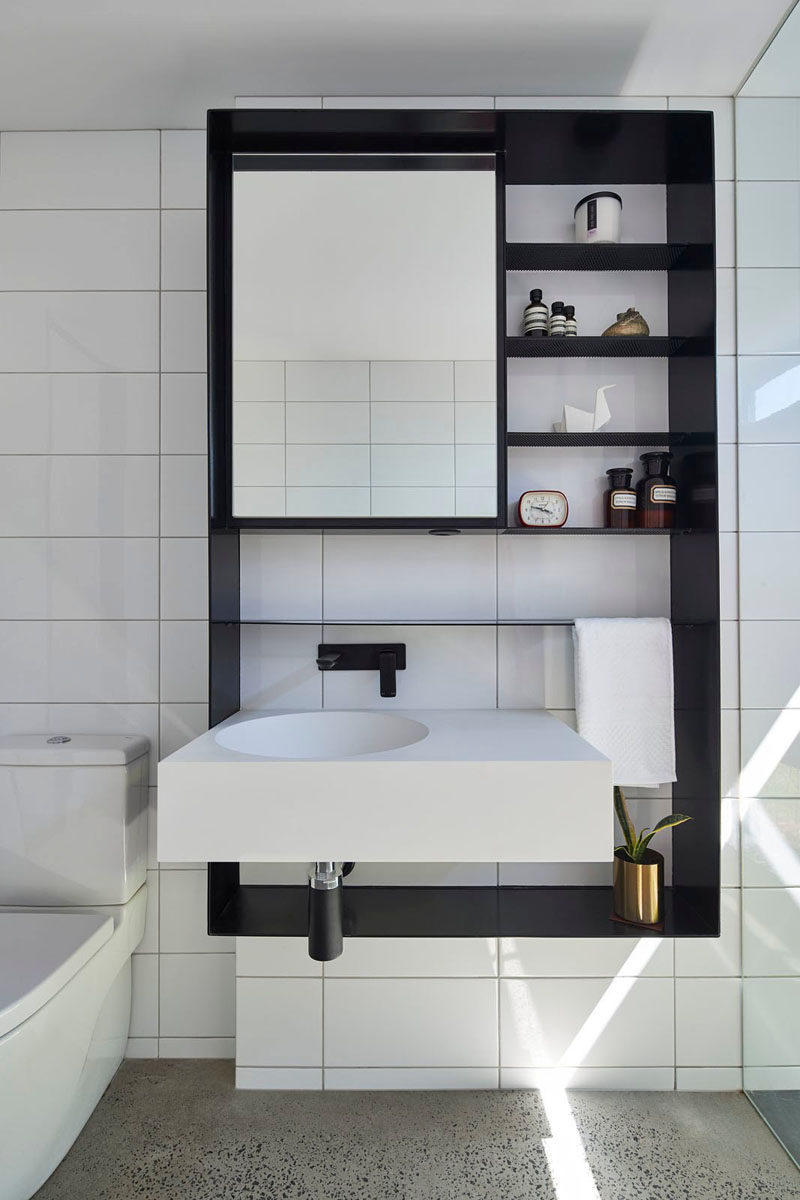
x=583, y=530
x=642, y=256
x=629, y=438
x=605, y=347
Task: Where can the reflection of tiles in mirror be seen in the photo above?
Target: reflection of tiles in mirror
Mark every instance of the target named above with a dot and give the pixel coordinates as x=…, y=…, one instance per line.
x=360, y=439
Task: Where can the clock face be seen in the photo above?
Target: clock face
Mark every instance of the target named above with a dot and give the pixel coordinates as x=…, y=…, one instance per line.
x=545, y=509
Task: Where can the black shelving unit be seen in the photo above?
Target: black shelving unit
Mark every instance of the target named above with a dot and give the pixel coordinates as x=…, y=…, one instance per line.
x=584, y=530
x=670, y=149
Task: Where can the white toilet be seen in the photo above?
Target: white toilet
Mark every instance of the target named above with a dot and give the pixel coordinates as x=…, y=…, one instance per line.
x=73, y=855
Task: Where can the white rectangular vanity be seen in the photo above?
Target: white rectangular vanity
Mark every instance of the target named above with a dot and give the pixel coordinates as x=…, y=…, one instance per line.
x=441, y=785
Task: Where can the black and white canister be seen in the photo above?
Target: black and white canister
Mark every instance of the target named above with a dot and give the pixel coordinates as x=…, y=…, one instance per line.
x=598, y=217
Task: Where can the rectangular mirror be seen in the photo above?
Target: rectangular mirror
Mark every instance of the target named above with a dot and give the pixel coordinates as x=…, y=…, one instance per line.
x=365, y=337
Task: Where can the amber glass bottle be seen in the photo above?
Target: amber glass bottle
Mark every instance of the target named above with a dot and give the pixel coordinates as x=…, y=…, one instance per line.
x=620, y=499
x=656, y=492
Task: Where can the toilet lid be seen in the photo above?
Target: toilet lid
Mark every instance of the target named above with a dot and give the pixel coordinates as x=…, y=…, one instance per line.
x=39, y=953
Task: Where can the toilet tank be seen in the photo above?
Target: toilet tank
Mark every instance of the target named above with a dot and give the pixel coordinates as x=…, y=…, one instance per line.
x=73, y=818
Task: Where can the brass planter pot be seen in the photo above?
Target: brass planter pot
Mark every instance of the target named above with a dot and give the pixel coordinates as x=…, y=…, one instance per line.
x=639, y=888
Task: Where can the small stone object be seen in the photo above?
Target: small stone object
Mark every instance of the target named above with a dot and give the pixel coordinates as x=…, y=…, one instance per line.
x=628, y=324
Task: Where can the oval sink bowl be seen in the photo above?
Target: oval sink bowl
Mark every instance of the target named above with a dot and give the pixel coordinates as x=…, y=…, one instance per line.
x=317, y=735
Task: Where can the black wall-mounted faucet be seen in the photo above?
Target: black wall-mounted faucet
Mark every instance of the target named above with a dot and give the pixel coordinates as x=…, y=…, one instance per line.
x=385, y=657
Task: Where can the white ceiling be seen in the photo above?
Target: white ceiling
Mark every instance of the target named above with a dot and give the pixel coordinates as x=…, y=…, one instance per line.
x=778, y=72
x=149, y=63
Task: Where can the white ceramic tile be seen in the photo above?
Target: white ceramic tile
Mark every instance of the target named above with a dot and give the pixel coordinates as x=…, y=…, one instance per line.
x=278, y=1022
x=614, y=1079
x=184, y=405
x=538, y=389
x=79, y=578
x=79, y=414
x=423, y=874
x=708, y=1079
x=78, y=251
x=149, y=942
x=770, y=585
x=555, y=874
x=101, y=717
x=79, y=331
x=771, y=931
x=410, y=1023
x=729, y=664
x=767, y=139
x=281, y=576
x=767, y=224
x=279, y=668
x=708, y=1022
x=446, y=667
x=725, y=244
x=184, y=579
x=196, y=1047
x=769, y=398
x=280, y=1079
x=771, y=844
x=281, y=873
x=278, y=102
x=319, y=382
x=535, y=667
x=758, y=1079
x=197, y=995
x=729, y=576
x=183, y=168
x=80, y=496
x=114, y=169
x=259, y=382
x=263, y=421
x=275, y=956
x=726, y=399
x=547, y=578
x=705, y=957
x=183, y=331
x=328, y=422
x=562, y=958
x=79, y=661
x=770, y=652
x=379, y=576
x=412, y=1079
x=730, y=864
x=771, y=1029
x=723, y=110
x=184, y=915
x=327, y=466
x=183, y=249
x=772, y=508
x=411, y=422
x=419, y=382
x=179, y=724
x=327, y=502
x=770, y=753
x=184, y=661
x=413, y=466
x=433, y=502
x=432, y=957
x=259, y=501
x=141, y=1048
x=258, y=466
x=475, y=382
x=728, y=496
x=407, y=102
x=476, y=501
x=727, y=282
x=184, y=495
x=586, y=1022
x=152, y=810
x=475, y=423
x=768, y=311
x=476, y=466
x=590, y=102
x=545, y=213
x=144, y=997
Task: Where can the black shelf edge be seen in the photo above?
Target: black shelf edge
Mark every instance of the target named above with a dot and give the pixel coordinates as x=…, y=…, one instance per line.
x=582, y=530
x=642, y=256
x=606, y=347
x=263, y=910
x=629, y=438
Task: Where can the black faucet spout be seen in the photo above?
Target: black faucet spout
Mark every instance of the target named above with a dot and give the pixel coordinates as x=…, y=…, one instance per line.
x=326, y=662
x=387, y=666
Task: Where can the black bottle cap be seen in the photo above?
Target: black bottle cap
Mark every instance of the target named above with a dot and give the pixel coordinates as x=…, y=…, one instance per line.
x=620, y=476
x=569, y=311
x=557, y=306
x=536, y=296
x=652, y=455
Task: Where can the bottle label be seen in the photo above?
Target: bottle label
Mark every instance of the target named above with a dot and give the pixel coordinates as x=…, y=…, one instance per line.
x=662, y=494
x=623, y=500
x=591, y=217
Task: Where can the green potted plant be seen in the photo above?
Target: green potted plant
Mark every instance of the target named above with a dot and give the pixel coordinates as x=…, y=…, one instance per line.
x=638, y=870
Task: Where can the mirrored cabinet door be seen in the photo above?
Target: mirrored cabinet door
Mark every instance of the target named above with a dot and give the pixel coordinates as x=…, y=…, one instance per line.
x=365, y=338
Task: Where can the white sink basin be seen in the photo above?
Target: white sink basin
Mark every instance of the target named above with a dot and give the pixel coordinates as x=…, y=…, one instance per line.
x=454, y=785
x=321, y=735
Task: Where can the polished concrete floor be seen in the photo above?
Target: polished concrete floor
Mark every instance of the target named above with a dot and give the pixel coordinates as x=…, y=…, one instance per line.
x=180, y=1131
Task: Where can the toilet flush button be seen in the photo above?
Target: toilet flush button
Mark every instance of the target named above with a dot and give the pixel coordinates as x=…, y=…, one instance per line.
x=58, y=741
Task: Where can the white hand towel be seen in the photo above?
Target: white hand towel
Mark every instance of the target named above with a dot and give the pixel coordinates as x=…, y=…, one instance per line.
x=624, y=696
